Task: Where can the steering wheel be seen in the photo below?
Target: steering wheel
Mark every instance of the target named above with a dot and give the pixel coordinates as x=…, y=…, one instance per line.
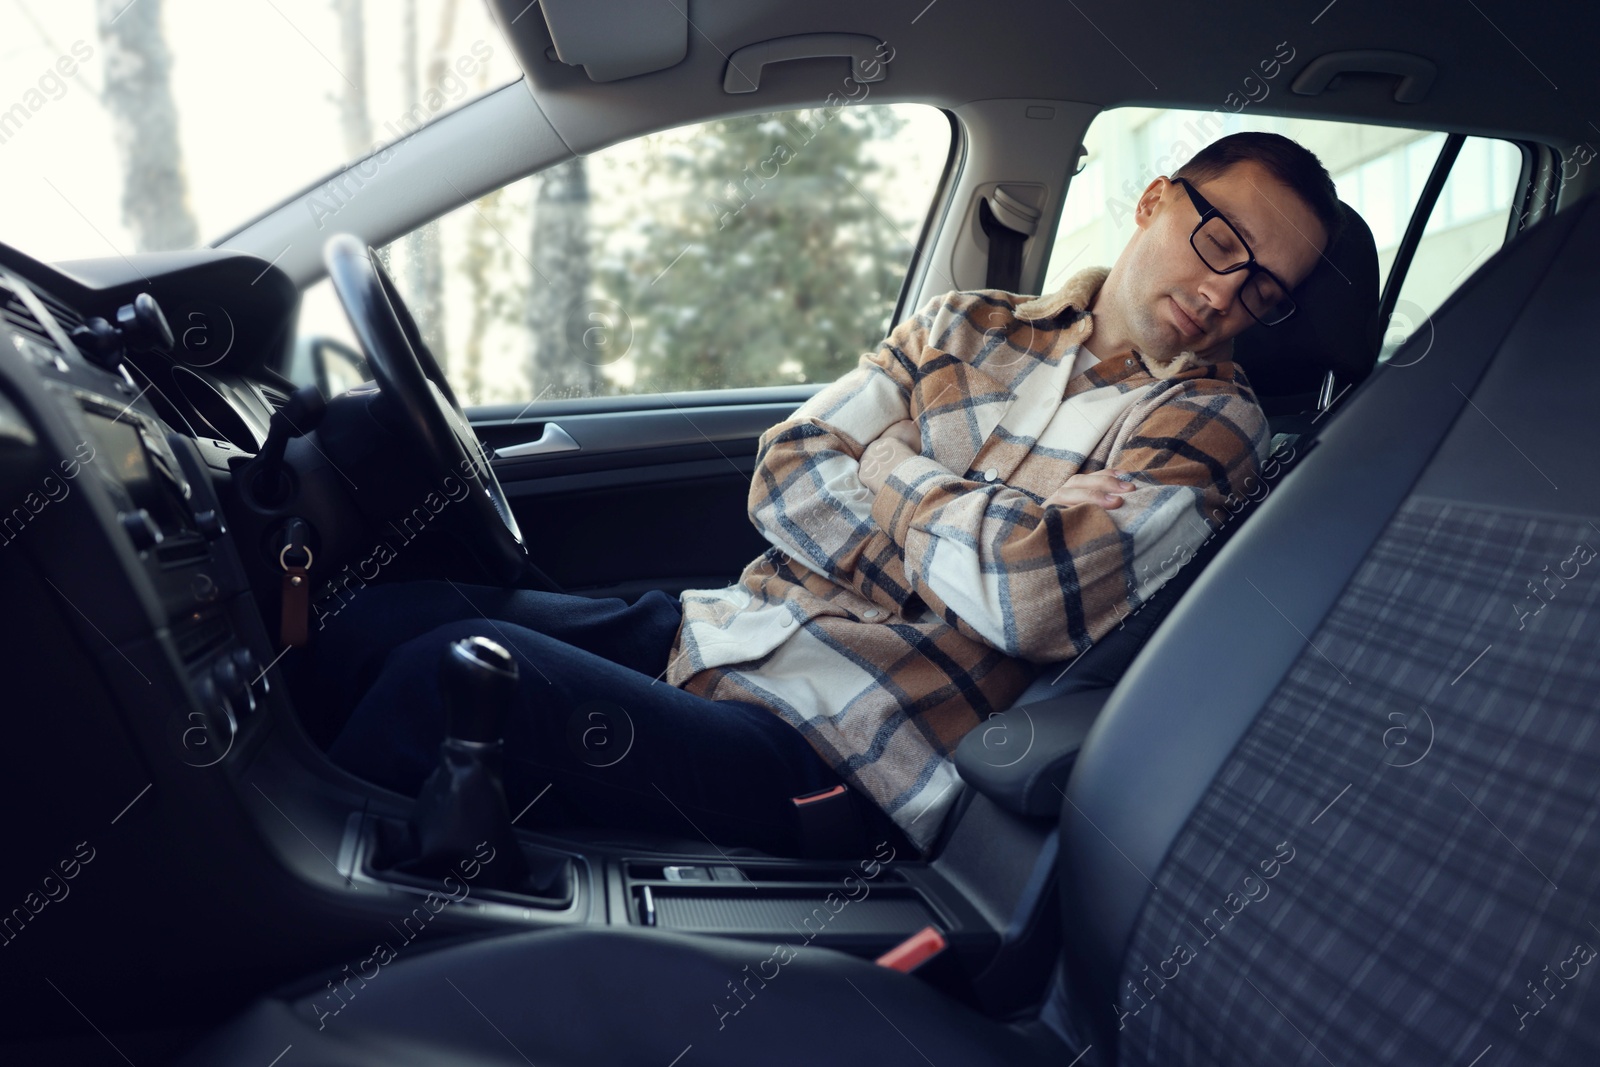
x=427, y=412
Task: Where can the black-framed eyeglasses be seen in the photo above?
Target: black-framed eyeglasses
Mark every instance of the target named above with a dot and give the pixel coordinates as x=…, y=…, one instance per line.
x=1223, y=249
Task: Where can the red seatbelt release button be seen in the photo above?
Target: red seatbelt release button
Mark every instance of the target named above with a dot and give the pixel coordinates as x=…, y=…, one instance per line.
x=818, y=797
x=914, y=950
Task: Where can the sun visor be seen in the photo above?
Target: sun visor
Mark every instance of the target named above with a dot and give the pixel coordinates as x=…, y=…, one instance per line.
x=615, y=39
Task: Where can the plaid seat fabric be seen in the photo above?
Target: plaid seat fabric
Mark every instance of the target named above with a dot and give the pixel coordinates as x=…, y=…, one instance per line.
x=1398, y=864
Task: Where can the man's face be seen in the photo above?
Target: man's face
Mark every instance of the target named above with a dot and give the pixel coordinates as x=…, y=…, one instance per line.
x=1173, y=301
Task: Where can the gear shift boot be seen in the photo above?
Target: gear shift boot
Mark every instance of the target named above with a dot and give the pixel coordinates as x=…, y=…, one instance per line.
x=462, y=813
x=461, y=821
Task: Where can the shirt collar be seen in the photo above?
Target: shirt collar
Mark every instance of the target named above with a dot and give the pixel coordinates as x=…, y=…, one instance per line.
x=1071, y=302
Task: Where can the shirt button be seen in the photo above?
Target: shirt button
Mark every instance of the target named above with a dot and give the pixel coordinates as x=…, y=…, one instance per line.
x=871, y=613
x=1129, y=361
x=787, y=620
x=990, y=475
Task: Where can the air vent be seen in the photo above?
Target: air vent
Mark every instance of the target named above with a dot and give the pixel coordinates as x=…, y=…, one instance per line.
x=275, y=400
x=165, y=408
x=65, y=315
x=18, y=316
x=180, y=552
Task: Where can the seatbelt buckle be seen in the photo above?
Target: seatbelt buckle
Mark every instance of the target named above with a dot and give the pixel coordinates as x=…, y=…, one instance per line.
x=829, y=825
x=923, y=956
x=914, y=951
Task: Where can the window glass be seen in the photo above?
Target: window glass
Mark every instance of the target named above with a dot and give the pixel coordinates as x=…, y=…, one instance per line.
x=1467, y=226
x=1379, y=171
x=759, y=250
x=136, y=127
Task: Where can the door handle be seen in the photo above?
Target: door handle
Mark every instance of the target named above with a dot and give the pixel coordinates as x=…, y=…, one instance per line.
x=551, y=440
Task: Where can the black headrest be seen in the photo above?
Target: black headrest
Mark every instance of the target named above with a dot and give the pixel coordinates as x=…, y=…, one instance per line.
x=1335, y=326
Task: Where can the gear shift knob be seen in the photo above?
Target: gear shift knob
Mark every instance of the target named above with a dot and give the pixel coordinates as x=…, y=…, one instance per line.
x=478, y=681
x=462, y=805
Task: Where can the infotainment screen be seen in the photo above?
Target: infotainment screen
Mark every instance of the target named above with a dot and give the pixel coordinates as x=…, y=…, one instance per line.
x=124, y=456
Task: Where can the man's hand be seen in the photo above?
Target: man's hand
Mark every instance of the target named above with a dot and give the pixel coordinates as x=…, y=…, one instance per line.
x=881, y=457
x=899, y=442
x=906, y=432
x=1099, y=487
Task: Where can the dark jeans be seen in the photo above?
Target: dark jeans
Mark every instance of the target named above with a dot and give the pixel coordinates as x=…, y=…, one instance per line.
x=616, y=746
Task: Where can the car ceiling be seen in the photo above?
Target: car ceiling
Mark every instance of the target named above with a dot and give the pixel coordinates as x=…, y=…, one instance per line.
x=1511, y=69
x=1518, y=71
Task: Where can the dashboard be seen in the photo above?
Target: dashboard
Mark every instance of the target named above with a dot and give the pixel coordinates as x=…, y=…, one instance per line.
x=148, y=387
x=177, y=832
x=107, y=480
x=147, y=713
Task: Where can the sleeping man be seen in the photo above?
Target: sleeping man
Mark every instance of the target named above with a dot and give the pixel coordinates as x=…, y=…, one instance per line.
x=992, y=489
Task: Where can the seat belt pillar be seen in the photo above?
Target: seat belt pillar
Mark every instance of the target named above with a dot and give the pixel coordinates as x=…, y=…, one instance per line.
x=1005, y=241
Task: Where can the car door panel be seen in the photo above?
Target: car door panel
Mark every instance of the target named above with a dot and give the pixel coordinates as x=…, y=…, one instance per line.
x=635, y=499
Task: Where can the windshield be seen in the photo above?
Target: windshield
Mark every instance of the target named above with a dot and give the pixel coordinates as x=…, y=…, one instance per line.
x=156, y=125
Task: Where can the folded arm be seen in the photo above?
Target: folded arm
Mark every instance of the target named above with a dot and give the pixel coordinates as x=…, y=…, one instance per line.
x=807, y=498
x=1045, y=580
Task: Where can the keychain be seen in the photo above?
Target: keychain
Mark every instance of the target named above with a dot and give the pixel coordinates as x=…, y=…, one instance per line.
x=294, y=625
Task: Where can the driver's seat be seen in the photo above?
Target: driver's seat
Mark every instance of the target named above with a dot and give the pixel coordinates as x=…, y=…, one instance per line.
x=1255, y=867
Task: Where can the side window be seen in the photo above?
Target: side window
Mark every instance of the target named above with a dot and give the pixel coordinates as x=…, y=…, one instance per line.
x=1467, y=225
x=1379, y=171
x=752, y=251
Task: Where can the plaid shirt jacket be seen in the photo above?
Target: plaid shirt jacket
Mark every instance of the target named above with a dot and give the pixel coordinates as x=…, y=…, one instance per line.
x=885, y=627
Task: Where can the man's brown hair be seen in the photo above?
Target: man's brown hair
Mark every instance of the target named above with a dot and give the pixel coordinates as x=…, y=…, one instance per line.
x=1290, y=162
